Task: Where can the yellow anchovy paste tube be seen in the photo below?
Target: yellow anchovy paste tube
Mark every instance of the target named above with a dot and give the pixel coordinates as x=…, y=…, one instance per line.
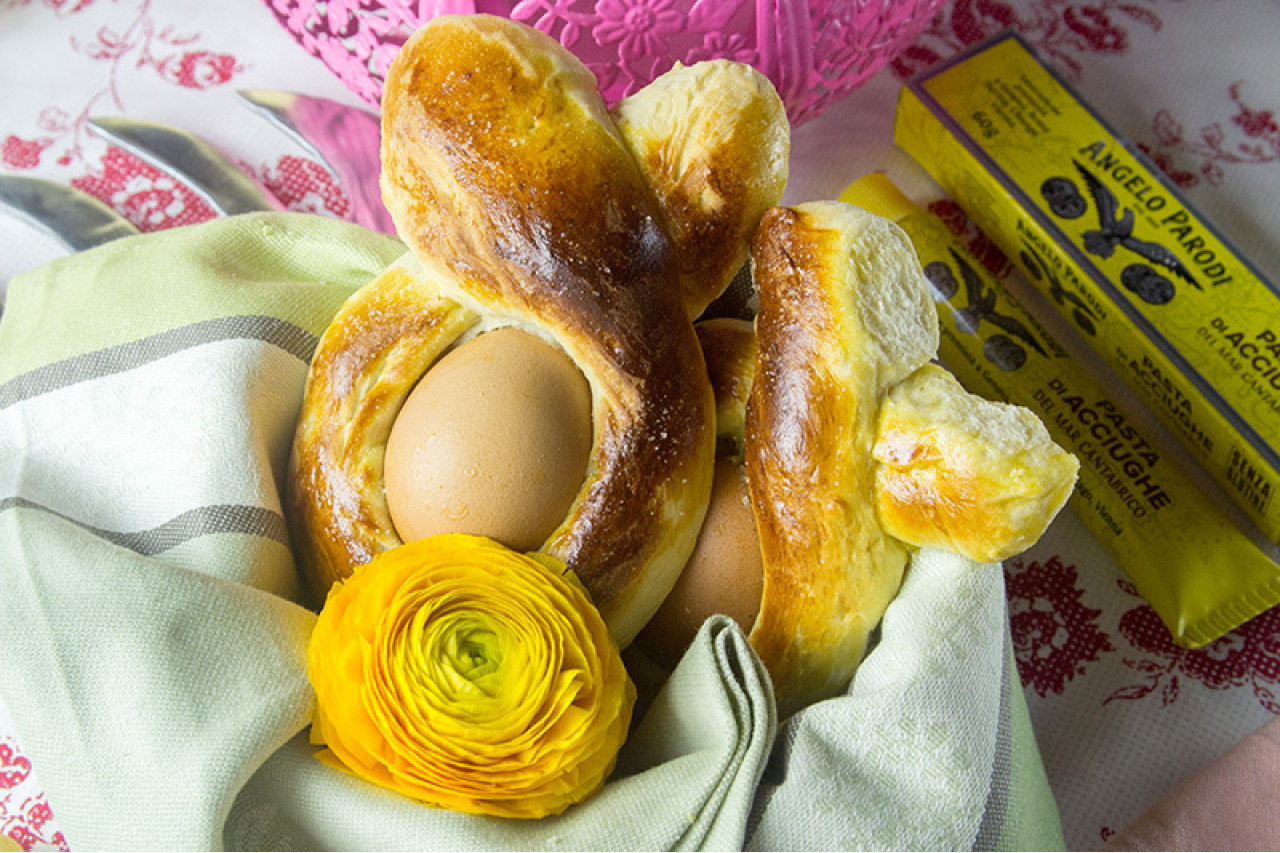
x=1198, y=570
x=1153, y=287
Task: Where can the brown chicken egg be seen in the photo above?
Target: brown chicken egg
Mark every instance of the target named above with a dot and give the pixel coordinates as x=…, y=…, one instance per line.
x=494, y=440
x=725, y=574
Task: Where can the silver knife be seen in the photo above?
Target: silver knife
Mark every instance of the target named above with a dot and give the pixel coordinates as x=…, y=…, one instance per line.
x=71, y=216
x=345, y=139
x=196, y=163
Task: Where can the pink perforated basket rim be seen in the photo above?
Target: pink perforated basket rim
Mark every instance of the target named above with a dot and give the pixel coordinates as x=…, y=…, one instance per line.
x=814, y=52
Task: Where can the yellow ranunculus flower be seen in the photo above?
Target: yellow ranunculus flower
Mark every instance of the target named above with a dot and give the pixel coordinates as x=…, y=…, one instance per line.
x=464, y=674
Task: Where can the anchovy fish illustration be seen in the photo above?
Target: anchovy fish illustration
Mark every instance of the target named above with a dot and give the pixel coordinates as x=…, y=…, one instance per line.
x=1038, y=269
x=1116, y=229
x=982, y=306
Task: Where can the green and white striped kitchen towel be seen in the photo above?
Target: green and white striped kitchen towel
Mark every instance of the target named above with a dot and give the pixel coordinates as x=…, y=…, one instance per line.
x=153, y=628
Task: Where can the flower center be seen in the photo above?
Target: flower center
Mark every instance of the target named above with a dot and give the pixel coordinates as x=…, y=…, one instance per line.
x=476, y=657
x=639, y=19
x=474, y=653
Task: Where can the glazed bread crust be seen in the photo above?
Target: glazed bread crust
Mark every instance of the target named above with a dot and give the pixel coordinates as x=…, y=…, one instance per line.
x=381, y=341
x=713, y=140
x=845, y=314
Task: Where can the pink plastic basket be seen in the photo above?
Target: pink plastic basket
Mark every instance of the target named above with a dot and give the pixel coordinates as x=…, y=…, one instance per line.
x=813, y=52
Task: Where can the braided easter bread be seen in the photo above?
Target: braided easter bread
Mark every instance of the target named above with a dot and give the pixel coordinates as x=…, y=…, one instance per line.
x=523, y=207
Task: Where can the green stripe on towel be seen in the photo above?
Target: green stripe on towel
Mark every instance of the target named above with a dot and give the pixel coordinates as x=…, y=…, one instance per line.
x=291, y=266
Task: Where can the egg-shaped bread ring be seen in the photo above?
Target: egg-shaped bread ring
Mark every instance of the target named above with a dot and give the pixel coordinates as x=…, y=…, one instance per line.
x=521, y=206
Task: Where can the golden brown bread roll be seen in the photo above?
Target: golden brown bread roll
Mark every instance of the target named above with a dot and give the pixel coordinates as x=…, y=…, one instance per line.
x=522, y=206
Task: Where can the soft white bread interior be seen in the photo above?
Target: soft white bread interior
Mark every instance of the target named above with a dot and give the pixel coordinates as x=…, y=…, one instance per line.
x=964, y=474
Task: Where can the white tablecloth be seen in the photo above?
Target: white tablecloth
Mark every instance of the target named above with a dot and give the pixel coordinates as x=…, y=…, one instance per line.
x=1121, y=713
